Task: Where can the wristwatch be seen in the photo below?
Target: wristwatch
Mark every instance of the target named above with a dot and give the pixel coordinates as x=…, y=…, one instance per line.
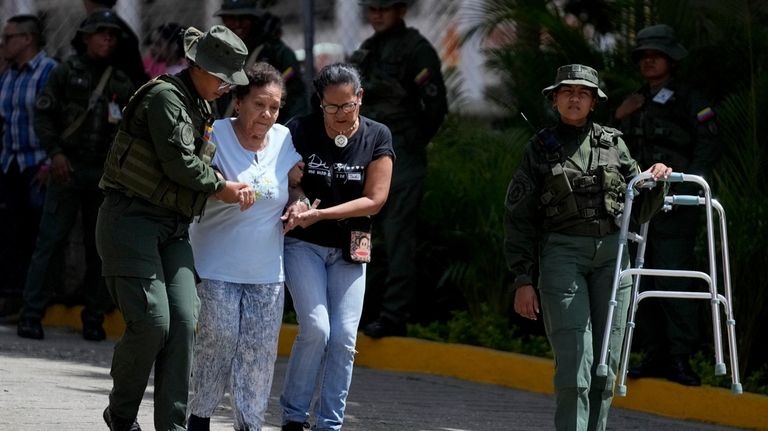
x=305, y=200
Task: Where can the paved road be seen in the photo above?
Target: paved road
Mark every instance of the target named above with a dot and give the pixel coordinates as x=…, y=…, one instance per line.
x=62, y=382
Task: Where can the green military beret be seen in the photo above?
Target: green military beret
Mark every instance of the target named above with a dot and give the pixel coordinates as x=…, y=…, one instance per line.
x=102, y=18
x=218, y=51
x=244, y=7
x=660, y=37
x=576, y=74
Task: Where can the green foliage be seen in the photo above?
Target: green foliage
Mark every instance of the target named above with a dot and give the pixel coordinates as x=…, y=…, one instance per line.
x=470, y=167
x=488, y=329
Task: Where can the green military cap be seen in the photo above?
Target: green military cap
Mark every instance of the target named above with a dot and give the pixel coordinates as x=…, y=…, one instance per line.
x=240, y=7
x=102, y=18
x=660, y=37
x=384, y=3
x=576, y=74
x=218, y=51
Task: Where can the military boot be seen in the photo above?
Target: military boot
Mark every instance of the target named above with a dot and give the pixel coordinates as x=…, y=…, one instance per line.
x=119, y=424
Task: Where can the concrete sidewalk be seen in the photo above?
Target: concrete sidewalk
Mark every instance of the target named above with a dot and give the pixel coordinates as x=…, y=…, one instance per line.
x=61, y=383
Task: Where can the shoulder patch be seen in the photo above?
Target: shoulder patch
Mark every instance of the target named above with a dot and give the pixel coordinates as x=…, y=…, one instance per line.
x=705, y=114
x=43, y=102
x=520, y=186
x=187, y=135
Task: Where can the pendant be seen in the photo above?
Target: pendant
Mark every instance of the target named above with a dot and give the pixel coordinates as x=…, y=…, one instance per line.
x=340, y=141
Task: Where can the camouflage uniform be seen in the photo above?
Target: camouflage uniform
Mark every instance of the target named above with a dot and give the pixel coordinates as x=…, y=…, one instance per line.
x=264, y=45
x=157, y=177
x=404, y=90
x=561, y=207
x=676, y=126
x=69, y=94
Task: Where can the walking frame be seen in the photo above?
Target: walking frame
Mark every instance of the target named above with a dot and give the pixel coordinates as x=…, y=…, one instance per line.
x=716, y=299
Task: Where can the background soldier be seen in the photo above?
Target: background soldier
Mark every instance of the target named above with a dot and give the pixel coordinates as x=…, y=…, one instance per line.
x=262, y=32
x=129, y=59
x=667, y=121
x=404, y=89
x=75, y=118
x=23, y=160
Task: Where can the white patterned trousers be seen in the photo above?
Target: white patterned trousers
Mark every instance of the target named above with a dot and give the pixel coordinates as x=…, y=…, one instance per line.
x=235, y=348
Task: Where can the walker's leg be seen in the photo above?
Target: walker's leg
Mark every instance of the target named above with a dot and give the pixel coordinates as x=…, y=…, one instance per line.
x=731, y=320
x=715, y=301
x=621, y=387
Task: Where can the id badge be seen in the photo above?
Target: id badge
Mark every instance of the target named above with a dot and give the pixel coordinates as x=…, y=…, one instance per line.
x=663, y=96
x=115, y=113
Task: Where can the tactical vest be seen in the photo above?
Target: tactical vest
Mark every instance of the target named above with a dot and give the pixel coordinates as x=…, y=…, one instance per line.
x=662, y=132
x=382, y=64
x=133, y=164
x=90, y=142
x=576, y=202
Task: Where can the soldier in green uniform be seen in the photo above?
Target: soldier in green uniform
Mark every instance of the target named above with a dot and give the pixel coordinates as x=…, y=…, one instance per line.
x=561, y=209
x=668, y=120
x=262, y=32
x=76, y=116
x=157, y=178
x=404, y=89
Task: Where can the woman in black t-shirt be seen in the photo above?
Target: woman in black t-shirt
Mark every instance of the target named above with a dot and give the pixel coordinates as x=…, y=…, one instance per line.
x=348, y=167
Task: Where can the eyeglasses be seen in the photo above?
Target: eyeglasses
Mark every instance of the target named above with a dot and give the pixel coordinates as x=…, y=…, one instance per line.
x=347, y=108
x=225, y=86
x=9, y=36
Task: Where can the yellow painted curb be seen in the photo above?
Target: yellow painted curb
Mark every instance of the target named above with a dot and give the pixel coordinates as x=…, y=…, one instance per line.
x=706, y=404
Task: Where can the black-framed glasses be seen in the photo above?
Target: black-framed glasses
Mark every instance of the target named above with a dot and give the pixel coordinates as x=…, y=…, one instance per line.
x=330, y=108
x=9, y=36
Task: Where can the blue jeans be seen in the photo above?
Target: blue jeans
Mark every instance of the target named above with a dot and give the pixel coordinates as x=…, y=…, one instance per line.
x=327, y=293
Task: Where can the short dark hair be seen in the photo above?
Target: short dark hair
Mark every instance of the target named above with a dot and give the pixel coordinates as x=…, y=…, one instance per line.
x=259, y=76
x=337, y=74
x=29, y=24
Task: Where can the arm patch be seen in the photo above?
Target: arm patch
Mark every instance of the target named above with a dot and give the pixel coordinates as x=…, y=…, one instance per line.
x=520, y=187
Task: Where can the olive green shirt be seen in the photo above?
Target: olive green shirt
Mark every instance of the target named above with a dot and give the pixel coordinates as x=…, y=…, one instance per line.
x=66, y=96
x=524, y=215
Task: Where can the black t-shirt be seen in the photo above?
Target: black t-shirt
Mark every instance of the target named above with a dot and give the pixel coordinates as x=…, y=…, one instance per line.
x=332, y=174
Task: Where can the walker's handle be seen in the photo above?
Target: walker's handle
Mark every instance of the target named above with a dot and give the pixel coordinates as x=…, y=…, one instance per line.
x=674, y=177
x=690, y=200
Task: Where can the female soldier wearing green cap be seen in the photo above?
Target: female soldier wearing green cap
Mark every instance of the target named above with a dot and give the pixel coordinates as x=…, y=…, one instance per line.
x=157, y=178
x=561, y=208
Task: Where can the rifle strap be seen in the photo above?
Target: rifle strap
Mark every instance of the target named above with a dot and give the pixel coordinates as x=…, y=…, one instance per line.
x=96, y=93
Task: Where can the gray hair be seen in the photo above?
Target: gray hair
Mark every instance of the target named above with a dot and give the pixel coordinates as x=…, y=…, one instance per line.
x=337, y=74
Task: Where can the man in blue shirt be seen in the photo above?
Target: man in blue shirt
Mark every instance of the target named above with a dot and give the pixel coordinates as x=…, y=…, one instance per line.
x=22, y=159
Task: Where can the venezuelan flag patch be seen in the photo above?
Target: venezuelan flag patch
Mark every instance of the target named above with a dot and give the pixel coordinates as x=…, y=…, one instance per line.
x=705, y=114
x=422, y=77
x=288, y=74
